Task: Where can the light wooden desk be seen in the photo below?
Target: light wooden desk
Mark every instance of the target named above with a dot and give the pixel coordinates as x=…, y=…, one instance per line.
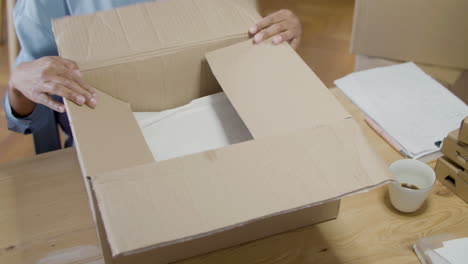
x=44, y=218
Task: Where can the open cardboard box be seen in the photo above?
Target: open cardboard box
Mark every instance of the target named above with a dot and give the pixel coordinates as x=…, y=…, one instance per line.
x=307, y=151
x=455, y=149
x=463, y=134
x=454, y=177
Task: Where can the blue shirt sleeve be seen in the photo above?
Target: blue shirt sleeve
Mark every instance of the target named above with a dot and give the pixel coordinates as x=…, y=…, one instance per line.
x=36, y=120
x=33, y=27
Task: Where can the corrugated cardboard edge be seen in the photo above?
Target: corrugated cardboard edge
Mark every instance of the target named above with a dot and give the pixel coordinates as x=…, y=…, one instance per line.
x=455, y=150
x=446, y=168
x=463, y=134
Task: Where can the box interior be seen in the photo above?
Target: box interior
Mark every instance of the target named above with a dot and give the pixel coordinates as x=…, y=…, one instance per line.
x=204, y=124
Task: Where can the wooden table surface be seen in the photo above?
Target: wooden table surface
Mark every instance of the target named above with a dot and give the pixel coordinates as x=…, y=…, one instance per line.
x=44, y=218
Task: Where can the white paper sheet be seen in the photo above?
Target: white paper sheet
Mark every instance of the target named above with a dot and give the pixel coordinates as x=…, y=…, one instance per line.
x=206, y=123
x=455, y=251
x=414, y=109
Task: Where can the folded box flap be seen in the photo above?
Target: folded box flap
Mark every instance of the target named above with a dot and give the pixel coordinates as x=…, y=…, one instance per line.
x=107, y=137
x=148, y=27
x=272, y=88
x=209, y=192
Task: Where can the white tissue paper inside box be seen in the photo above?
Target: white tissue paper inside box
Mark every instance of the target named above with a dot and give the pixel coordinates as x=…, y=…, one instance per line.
x=206, y=123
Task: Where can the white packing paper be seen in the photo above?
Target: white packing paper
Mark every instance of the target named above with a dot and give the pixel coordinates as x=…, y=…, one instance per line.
x=206, y=123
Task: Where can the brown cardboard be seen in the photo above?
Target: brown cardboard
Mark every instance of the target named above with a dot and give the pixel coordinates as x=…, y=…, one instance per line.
x=463, y=134
x=455, y=150
x=429, y=31
x=256, y=70
x=251, y=231
x=244, y=186
x=460, y=88
x=145, y=74
x=138, y=44
x=453, y=177
x=307, y=151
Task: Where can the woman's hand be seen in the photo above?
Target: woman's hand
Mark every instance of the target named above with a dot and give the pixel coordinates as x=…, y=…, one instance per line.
x=35, y=81
x=283, y=25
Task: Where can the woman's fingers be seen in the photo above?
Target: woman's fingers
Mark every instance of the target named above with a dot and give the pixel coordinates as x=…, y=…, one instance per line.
x=53, y=88
x=283, y=36
x=89, y=98
x=281, y=26
x=269, y=20
x=272, y=30
x=47, y=100
x=295, y=42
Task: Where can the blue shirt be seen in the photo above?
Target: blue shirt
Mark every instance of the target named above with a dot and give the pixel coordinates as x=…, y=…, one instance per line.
x=34, y=29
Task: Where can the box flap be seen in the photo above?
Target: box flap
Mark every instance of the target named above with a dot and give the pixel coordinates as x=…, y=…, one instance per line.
x=149, y=27
x=455, y=150
x=108, y=137
x=454, y=135
x=463, y=134
x=424, y=31
x=200, y=194
x=272, y=88
x=166, y=81
x=154, y=48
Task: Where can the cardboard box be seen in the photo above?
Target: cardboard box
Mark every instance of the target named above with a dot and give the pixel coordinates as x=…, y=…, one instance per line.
x=455, y=80
x=453, y=177
x=307, y=151
x=460, y=88
x=463, y=134
x=455, y=150
x=428, y=32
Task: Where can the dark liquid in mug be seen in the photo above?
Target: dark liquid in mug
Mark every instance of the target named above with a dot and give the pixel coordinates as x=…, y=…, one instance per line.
x=410, y=186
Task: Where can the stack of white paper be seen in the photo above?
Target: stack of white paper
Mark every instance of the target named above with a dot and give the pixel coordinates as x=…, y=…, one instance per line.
x=411, y=107
x=454, y=251
x=206, y=123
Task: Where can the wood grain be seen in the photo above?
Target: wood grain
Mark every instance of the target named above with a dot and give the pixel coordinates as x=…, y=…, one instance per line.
x=43, y=208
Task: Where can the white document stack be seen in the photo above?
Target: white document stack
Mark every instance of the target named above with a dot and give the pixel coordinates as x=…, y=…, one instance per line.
x=412, y=108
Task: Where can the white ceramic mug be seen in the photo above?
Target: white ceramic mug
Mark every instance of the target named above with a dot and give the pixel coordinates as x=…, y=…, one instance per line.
x=411, y=172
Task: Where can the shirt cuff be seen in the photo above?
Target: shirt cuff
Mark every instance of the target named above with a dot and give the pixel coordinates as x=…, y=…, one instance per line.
x=24, y=125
